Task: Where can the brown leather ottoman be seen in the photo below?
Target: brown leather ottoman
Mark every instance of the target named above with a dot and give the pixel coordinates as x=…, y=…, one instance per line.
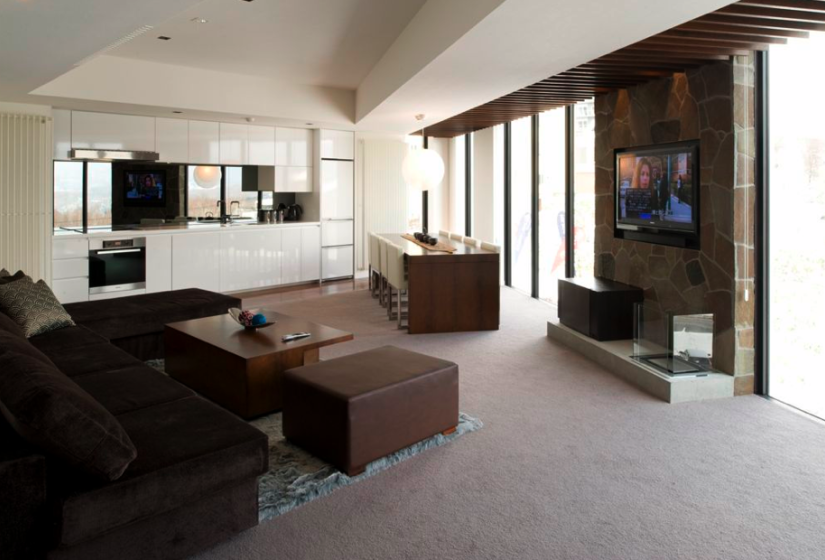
x=353, y=410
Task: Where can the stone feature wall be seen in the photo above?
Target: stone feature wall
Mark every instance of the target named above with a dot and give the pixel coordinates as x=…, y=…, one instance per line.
x=700, y=104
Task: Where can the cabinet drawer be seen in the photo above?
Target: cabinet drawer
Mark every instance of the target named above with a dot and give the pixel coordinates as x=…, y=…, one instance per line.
x=70, y=248
x=70, y=268
x=71, y=290
x=336, y=232
x=336, y=262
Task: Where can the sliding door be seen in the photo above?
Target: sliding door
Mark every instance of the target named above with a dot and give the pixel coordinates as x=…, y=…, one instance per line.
x=552, y=189
x=796, y=239
x=521, y=201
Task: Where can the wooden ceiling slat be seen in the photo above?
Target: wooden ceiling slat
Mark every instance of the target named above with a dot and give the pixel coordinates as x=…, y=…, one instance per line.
x=733, y=20
x=737, y=29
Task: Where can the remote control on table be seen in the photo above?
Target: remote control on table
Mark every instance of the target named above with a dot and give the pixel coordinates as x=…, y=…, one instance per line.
x=295, y=336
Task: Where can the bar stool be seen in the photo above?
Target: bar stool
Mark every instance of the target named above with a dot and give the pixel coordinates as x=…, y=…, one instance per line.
x=456, y=237
x=471, y=242
x=382, y=268
x=396, y=279
x=490, y=247
x=375, y=267
x=443, y=233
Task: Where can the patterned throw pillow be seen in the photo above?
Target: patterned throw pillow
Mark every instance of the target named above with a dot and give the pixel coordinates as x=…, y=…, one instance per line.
x=5, y=277
x=33, y=307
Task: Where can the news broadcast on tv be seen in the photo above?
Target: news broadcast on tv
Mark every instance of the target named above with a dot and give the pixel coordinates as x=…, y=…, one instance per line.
x=657, y=190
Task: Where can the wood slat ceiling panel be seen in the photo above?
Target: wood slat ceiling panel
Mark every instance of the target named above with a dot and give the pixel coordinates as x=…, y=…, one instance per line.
x=737, y=29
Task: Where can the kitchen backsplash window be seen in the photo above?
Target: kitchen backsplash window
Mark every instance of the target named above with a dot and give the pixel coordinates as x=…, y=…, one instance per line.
x=203, y=197
x=68, y=194
x=248, y=201
x=99, y=195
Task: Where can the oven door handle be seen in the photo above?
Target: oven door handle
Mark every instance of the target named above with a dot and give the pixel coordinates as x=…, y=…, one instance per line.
x=117, y=251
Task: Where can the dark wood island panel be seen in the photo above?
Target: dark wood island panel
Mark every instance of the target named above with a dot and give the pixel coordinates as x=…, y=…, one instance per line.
x=451, y=292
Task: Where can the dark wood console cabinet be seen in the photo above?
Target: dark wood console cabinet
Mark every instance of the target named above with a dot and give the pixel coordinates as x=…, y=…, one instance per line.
x=599, y=308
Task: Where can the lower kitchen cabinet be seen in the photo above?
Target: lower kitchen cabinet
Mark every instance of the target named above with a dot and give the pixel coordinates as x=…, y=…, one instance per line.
x=250, y=259
x=310, y=253
x=196, y=261
x=291, y=251
x=337, y=261
x=158, y=263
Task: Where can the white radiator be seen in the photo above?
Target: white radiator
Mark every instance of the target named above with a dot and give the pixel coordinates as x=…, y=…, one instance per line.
x=26, y=194
x=385, y=192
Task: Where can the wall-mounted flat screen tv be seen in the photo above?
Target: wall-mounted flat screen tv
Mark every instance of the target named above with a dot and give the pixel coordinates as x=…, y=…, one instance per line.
x=657, y=194
x=144, y=187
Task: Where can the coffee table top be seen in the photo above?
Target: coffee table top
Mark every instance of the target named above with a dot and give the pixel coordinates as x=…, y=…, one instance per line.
x=223, y=332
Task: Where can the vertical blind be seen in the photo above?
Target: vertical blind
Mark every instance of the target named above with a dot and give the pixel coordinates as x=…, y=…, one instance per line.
x=26, y=194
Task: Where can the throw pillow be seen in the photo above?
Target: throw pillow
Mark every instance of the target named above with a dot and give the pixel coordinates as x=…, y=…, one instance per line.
x=7, y=278
x=33, y=306
x=52, y=412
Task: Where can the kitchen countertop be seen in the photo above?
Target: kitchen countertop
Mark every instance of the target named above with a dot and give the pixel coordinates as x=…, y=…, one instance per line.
x=193, y=227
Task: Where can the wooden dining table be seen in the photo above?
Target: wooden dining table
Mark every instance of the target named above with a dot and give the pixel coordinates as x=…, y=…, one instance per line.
x=450, y=292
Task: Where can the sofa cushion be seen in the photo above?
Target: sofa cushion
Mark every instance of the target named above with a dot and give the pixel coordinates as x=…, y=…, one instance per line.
x=187, y=449
x=131, y=388
x=49, y=410
x=148, y=313
x=8, y=325
x=10, y=342
x=93, y=358
x=33, y=306
x=65, y=340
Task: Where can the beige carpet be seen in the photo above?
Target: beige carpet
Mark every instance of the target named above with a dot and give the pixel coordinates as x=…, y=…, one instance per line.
x=572, y=463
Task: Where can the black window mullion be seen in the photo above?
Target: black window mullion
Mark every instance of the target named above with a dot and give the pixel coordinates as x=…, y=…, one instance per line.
x=762, y=226
x=468, y=184
x=508, y=238
x=534, y=205
x=85, y=196
x=425, y=198
x=570, y=192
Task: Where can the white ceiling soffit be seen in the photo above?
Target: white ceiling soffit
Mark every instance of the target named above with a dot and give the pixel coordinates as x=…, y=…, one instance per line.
x=332, y=43
x=41, y=39
x=156, y=89
x=517, y=43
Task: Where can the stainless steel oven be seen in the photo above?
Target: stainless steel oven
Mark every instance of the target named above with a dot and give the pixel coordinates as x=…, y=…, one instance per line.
x=117, y=265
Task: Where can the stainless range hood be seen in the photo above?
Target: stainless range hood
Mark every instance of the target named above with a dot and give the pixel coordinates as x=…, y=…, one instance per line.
x=113, y=155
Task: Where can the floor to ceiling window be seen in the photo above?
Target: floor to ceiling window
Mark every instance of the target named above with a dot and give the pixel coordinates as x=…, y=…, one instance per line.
x=498, y=194
x=552, y=187
x=457, y=184
x=521, y=226
x=584, y=182
x=796, y=212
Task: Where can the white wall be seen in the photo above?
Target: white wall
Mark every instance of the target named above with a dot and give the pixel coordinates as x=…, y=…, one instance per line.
x=439, y=196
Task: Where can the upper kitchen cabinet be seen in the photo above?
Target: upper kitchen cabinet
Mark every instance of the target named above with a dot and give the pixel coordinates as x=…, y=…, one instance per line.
x=105, y=131
x=293, y=147
x=234, y=139
x=337, y=144
x=62, y=133
x=261, y=145
x=172, y=139
x=204, y=142
x=292, y=179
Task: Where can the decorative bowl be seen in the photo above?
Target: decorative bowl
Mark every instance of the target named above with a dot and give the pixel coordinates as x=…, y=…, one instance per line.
x=242, y=317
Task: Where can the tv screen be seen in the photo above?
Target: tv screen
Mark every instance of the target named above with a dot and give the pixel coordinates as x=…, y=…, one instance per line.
x=144, y=187
x=657, y=189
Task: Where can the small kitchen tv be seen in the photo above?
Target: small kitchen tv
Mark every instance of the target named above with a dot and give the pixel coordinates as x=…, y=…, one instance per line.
x=657, y=194
x=144, y=187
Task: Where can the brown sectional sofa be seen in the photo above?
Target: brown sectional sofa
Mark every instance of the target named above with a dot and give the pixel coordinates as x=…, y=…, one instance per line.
x=193, y=482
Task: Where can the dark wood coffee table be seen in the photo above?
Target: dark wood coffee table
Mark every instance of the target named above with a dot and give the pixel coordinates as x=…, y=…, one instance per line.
x=238, y=369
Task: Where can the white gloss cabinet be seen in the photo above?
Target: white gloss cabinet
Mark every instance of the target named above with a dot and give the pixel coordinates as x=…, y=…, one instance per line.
x=336, y=190
x=107, y=131
x=337, y=144
x=310, y=253
x=293, y=179
x=293, y=146
x=291, y=255
x=70, y=269
x=233, y=146
x=336, y=262
x=196, y=261
x=204, y=142
x=172, y=139
x=261, y=145
x=250, y=259
x=62, y=132
x=158, y=263
x=337, y=232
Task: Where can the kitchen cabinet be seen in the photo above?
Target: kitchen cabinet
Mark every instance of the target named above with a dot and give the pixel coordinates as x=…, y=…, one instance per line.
x=336, y=262
x=337, y=144
x=336, y=190
x=70, y=269
x=196, y=261
x=250, y=259
x=310, y=253
x=62, y=133
x=233, y=145
x=291, y=179
x=106, y=131
x=158, y=263
x=172, y=139
x=71, y=290
x=336, y=233
x=261, y=145
x=293, y=146
x=291, y=254
x=204, y=142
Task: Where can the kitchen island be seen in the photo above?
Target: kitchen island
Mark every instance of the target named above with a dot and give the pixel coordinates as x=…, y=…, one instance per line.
x=450, y=292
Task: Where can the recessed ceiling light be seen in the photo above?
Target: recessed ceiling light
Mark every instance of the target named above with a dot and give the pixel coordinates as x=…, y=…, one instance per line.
x=309, y=123
x=177, y=112
x=247, y=0
x=199, y=20
x=164, y=38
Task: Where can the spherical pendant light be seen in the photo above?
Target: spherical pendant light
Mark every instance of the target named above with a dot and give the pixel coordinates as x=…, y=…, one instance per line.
x=207, y=176
x=422, y=168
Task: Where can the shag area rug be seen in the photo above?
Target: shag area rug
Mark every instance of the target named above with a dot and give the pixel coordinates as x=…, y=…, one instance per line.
x=295, y=477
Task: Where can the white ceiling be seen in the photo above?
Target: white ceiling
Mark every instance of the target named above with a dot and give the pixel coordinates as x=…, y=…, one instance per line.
x=332, y=43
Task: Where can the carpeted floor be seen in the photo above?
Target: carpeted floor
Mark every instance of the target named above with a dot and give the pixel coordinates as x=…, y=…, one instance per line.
x=572, y=463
